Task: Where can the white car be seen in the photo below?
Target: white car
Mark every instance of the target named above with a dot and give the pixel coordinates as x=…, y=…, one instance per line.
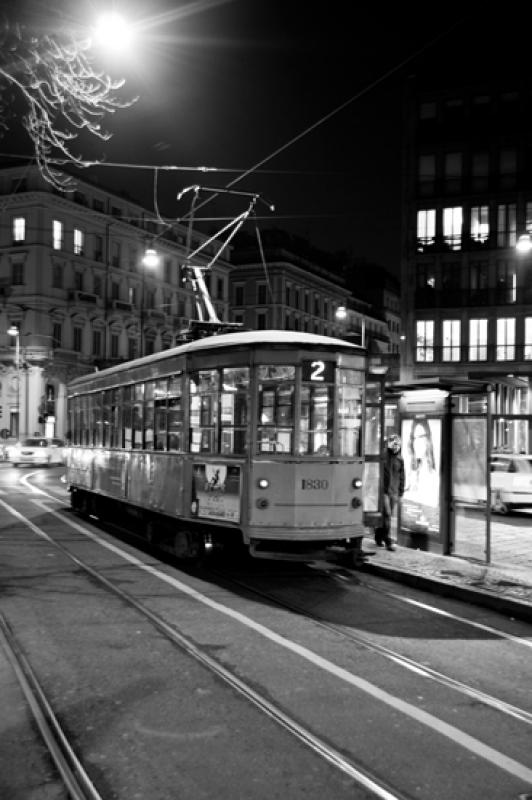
x=37, y=450
x=511, y=482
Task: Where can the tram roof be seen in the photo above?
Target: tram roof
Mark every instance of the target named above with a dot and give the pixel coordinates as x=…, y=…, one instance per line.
x=237, y=339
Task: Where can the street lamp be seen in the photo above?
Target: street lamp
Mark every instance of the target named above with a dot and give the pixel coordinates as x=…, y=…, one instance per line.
x=524, y=243
x=14, y=331
x=150, y=260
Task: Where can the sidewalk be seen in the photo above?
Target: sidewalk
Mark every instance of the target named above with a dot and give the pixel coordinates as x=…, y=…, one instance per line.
x=506, y=588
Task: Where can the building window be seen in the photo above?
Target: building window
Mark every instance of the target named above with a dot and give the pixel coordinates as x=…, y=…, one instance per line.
x=427, y=111
x=478, y=339
x=97, y=285
x=425, y=340
x=316, y=305
x=114, y=345
x=115, y=254
x=78, y=281
x=480, y=227
x=58, y=234
x=453, y=172
x=261, y=321
x=426, y=174
x=478, y=281
x=96, y=343
x=480, y=164
x=452, y=227
x=239, y=295
x=17, y=273
x=425, y=276
x=131, y=349
x=168, y=270
x=57, y=276
x=220, y=290
x=115, y=290
x=19, y=229
x=451, y=340
x=450, y=277
x=78, y=338
x=507, y=168
x=528, y=339
x=506, y=339
x=261, y=294
x=57, y=334
x=98, y=248
x=288, y=294
x=506, y=282
x=426, y=227
x=506, y=225
x=79, y=242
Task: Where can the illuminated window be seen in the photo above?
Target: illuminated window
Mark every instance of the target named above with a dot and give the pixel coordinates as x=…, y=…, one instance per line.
x=478, y=339
x=506, y=225
x=425, y=340
x=452, y=227
x=79, y=241
x=426, y=227
x=506, y=339
x=58, y=233
x=480, y=227
x=19, y=229
x=451, y=340
x=528, y=338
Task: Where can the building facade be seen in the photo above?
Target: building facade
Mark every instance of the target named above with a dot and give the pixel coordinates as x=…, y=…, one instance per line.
x=78, y=293
x=467, y=291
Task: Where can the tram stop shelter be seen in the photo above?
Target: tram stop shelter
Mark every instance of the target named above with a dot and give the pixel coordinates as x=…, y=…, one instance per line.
x=450, y=431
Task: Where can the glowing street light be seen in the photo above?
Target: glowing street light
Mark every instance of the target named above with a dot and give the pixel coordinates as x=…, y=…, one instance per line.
x=524, y=243
x=113, y=32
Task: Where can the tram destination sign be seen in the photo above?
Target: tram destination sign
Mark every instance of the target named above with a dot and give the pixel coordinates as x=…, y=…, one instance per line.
x=318, y=371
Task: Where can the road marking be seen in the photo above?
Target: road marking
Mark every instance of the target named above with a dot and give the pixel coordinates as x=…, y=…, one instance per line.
x=468, y=742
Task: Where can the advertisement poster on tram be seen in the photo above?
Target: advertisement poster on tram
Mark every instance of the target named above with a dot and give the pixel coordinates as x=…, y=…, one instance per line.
x=216, y=491
x=421, y=446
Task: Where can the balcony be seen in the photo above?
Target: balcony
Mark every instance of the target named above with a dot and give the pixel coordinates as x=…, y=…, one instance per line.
x=122, y=305
x=77, y=296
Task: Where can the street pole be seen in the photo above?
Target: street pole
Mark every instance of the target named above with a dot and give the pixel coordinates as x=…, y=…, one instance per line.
x=14, y=331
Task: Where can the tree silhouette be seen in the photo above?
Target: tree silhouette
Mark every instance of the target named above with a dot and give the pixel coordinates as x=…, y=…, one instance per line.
x=62, y=93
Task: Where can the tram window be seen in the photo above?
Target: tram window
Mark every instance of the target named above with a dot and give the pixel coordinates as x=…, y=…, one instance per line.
x=316, y=420
x=234, y=410
x=106, y=418
x=204, y=411
x=83, y=431
x=116, y=418
x=275, y=408
x=350, y=389
x=137, y=407
x=160, y=398
x=175, y=414
x=127, y=418
x=148, y=415
x=75, y=419
x=372, y=432
x=95, y=411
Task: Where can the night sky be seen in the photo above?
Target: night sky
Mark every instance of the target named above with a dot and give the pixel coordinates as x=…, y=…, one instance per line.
x=231, y=84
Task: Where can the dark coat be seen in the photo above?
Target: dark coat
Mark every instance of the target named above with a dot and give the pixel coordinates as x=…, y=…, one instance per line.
x=394, y=474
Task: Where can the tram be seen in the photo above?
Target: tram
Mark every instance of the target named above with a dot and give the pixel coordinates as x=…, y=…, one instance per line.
x=241, y=438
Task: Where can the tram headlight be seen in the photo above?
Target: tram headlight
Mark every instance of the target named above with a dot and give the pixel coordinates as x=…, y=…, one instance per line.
x=262, y=503
x=263, y=483
x=356, y=483
x=356, y=502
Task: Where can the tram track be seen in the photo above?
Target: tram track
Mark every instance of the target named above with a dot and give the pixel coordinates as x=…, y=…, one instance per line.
x=37, y=700
x=334, y=757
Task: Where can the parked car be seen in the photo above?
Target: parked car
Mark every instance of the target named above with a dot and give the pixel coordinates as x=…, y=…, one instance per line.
x=37, y=450
x=511, y=482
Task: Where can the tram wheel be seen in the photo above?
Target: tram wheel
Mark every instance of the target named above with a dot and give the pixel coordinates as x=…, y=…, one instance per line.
x=188, y=545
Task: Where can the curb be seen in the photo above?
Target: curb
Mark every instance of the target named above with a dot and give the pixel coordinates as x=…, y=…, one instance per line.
x=504, y=605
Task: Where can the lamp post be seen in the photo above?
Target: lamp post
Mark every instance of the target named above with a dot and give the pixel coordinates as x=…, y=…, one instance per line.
x=14, y=331
x=149, y=261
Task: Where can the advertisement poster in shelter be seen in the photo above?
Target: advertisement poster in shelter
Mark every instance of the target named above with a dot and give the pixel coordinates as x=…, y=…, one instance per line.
x=421, y=449
x=216, y=491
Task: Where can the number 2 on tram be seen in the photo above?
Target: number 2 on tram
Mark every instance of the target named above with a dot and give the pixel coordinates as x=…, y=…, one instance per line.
x=253, y=438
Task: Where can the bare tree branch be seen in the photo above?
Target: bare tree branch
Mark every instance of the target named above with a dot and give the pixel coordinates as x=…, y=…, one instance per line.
x=63, y=94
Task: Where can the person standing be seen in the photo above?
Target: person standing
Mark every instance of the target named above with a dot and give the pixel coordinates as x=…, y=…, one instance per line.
x=393, y=486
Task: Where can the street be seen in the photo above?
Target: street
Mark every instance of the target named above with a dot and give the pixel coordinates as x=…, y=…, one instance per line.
x=249, y=679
